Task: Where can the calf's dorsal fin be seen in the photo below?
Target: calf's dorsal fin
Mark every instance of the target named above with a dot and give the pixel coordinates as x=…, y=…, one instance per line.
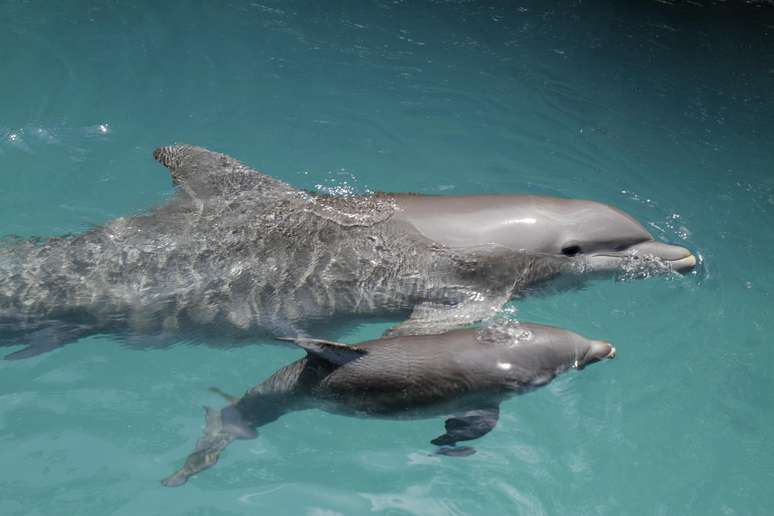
x=333, y=352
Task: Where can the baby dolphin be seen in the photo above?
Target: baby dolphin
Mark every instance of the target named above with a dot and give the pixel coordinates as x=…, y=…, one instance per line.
x=463, y=375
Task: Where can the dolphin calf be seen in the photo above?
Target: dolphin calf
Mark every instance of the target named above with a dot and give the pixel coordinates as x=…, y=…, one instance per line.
x=462, y=375
x=235, y=253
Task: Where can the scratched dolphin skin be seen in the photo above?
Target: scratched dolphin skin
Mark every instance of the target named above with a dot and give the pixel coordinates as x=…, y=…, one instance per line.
x=462, y=375
x=235, y=253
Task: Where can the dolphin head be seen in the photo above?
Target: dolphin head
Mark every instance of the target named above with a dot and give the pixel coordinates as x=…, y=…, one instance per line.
x=601, y=238
x=587, y=235
x=531, y=355
x=562, y=349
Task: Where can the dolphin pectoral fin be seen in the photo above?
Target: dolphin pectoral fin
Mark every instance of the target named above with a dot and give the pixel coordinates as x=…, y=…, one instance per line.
x=466, y=427
x=431, y=318
x=333, y=352
x=223, y=426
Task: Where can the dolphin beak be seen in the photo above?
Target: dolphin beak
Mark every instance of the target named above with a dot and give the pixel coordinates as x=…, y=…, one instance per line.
x=678, y=258
x=602, y=349
x=684, y=264
x=598, y=350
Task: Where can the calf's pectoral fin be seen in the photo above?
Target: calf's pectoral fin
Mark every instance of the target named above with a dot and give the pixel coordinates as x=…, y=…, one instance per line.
x=466, y=427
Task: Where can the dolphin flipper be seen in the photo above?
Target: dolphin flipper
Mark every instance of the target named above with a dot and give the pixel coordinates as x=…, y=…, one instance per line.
x=466, y=427
x=430, y=318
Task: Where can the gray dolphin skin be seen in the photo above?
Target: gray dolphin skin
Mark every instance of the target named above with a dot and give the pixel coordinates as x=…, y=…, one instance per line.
x=462, y=375
x=235, y=253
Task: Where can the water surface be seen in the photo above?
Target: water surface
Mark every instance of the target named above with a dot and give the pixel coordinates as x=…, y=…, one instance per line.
x=664, y=110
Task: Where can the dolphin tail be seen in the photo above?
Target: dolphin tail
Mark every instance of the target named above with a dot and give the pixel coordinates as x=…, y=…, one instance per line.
x=222, y=427
x=226, y=396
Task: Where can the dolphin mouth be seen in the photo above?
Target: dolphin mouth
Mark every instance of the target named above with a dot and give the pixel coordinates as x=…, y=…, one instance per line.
x=678, y=258
x=598, y=350
x=673, y=257
x=683, y=264
x=599, y=347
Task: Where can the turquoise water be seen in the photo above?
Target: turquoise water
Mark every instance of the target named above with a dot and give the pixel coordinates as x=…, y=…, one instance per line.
x=666, y=111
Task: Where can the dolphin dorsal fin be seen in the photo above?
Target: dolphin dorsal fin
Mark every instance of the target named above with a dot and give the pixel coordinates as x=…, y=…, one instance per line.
x=333, y=352
x=202, y=172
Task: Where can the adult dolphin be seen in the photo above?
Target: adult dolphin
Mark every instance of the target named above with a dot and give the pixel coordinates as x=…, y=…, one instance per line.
x=463, y=375
x=235, y=252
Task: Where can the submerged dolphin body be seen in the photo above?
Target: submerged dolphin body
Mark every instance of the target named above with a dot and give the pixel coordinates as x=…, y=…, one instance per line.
x=235, y=252
x=463, y=375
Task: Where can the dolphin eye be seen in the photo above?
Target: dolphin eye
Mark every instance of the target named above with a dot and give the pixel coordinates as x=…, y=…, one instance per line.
x=571, y=250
